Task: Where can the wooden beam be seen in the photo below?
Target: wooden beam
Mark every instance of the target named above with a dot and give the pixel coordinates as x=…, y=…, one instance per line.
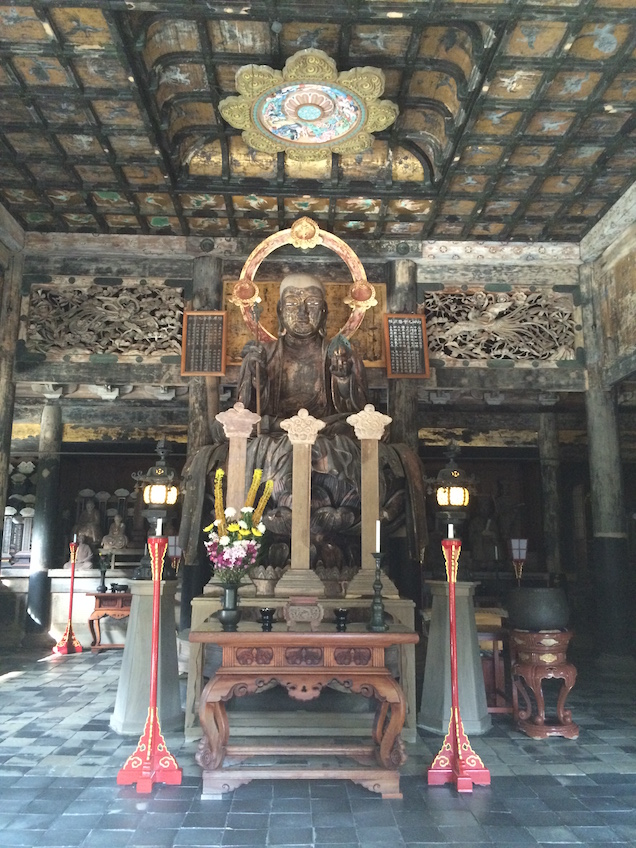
x=11, y=233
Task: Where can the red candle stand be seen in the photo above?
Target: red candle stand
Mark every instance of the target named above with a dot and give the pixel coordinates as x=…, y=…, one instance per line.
x=69, y=643
x=456, y=761
x=151, y=761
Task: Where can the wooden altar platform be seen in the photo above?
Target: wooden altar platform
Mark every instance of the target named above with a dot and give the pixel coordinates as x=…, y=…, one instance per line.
x=401, y=610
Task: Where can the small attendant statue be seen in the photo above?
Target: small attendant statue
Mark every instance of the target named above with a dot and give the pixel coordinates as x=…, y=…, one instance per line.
x=83, y=557
x=115, y=539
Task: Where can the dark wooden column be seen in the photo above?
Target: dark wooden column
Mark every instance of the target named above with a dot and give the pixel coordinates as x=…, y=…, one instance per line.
x=549, y=459
x=402, y=297
x=204, y=405
x=609, y=561
x=46, y=518
x=403, y=569
x=9, y=323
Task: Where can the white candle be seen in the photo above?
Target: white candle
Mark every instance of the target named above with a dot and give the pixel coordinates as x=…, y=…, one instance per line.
x=75, y=537
x=377, y=536
x=451, y=531
x=159, y=526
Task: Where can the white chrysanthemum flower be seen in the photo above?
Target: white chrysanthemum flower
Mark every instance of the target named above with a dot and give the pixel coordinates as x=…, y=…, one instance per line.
x=248, y=509
x=224, y=540
x=243, y=525
x=230, y=512
x=261, y=527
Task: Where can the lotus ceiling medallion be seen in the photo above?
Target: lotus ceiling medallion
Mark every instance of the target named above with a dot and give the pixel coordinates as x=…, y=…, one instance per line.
x=308, y=110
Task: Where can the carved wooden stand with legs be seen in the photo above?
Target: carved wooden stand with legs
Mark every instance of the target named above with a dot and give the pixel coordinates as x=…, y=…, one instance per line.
x=303, y=663
x=535, y=657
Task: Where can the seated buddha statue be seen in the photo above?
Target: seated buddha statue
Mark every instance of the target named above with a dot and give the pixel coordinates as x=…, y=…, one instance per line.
x=303, y=369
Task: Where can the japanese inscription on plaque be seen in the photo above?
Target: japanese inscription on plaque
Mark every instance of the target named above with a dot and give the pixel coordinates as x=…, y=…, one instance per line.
x=203, y=346
x=406, y=347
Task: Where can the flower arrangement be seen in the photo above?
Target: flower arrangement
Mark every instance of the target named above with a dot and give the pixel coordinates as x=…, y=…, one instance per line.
x=234, y=539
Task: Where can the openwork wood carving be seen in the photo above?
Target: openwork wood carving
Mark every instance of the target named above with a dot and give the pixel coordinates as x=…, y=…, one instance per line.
x=127, y=319
x=516, y=325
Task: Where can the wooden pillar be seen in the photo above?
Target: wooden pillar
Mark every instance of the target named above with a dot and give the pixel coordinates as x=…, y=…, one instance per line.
x=369, y=426
x=549, y=460
x=9, y=324
x=402, y=297
x=203, y=392
x=237, y=424
x=203, y=398
x=300, y=579
x=609, y=562
x=45, y=520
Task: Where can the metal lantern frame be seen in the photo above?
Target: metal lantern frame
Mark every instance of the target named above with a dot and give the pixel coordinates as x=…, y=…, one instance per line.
x=158, y=488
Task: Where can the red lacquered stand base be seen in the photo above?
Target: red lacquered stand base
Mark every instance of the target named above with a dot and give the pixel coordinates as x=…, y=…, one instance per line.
x=456, y=761
x=69, y=643
x=151, y=761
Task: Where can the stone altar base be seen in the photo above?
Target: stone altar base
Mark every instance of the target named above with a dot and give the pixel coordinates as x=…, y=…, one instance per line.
x=435, y=710
x=133, y=693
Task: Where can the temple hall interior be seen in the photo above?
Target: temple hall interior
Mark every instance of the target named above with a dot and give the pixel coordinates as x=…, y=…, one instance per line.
x=318, y=423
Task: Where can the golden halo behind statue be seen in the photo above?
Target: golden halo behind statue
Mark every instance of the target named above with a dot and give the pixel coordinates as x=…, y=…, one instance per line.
x=303, y=234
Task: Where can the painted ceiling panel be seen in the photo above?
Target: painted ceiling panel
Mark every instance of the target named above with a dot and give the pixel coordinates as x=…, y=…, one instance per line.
x=515, y=120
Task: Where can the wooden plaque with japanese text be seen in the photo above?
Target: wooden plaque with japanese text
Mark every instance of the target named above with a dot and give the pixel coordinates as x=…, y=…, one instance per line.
x=203, y=344
x=405, y=345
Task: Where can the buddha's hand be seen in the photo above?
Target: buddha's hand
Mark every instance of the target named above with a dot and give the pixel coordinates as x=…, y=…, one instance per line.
x=341, y=363
x=254, y=356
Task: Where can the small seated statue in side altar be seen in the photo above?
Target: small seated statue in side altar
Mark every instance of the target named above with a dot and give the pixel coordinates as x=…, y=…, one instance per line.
x=83, y=555
x=115, y=539
x=88, y=524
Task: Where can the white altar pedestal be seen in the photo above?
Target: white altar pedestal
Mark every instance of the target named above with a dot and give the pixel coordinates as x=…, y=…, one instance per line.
x=435, y=708
x=133, y=691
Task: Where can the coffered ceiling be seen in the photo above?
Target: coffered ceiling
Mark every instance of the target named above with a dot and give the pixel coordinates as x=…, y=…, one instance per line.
x=515, y=119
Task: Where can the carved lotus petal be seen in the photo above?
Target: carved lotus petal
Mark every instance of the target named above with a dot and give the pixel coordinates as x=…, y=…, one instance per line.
x=236, y=111
x=367, y=82
x=381, y=115
x=332, y=519
x=279, y=521
x=252, y=80
x=310, y=64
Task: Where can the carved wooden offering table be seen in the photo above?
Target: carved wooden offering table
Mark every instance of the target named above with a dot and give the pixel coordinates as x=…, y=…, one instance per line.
x=536, y=656
x=112, y=604
x=303, y=663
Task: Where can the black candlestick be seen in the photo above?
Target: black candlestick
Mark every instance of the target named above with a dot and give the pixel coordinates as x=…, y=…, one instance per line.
x=103, y=568
x=377, y=623
x=267, y=618
x=341, y=619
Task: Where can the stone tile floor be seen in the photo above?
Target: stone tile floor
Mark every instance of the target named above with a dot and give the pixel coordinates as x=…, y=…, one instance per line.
x=59, y=761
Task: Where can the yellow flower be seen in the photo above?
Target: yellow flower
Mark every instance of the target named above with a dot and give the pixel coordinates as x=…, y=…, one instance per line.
x=219, y=512
x=243, y=532
x=258, y=513
x=256, y=482
x=208, y=528
x=256, y=533
x=233, y=527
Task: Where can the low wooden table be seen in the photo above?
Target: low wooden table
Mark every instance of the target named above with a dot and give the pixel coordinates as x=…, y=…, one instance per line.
x=402, y=611
x=536, y=656
x=111, y=604
x=303, y=663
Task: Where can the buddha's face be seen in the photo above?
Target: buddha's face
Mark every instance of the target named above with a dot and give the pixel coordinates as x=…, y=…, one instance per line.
x=302, y=311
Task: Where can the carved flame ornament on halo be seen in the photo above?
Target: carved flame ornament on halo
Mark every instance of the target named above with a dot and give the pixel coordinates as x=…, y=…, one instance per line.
x=309, y=110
